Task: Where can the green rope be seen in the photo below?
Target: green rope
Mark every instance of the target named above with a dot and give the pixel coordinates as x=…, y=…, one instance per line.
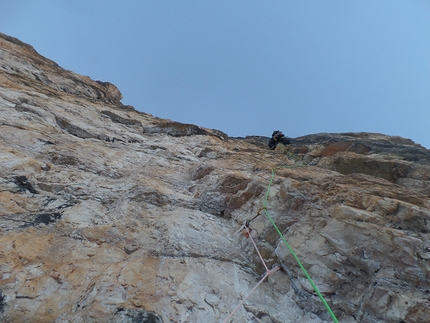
x=291, y=250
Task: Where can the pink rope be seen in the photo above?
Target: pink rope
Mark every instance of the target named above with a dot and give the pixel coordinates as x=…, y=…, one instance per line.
x=249, y=234
x=268, y=273
x=241, y=303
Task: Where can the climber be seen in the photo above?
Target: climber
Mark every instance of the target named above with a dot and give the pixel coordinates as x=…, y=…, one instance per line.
x=278, y=137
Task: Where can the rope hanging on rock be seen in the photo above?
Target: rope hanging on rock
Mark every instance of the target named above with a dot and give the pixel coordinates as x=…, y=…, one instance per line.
x=270, y=272
x=267, y=274
x=289, y=247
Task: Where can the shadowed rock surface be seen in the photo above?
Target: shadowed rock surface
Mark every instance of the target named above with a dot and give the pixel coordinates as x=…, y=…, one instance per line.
x=108, y=214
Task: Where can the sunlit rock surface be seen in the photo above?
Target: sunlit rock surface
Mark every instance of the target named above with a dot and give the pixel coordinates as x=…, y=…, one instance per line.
x=108, y=214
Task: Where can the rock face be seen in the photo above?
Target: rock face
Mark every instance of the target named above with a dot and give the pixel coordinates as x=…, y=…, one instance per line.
x=108, y=214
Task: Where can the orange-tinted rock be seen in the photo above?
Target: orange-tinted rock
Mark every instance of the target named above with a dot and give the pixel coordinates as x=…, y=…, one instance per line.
x=332, y=149
x=108, y=214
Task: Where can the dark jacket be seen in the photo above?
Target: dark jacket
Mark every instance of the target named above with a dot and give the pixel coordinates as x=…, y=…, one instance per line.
x=278, y=137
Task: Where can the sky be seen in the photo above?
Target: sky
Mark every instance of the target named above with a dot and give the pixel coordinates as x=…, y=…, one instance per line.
x=247, y=67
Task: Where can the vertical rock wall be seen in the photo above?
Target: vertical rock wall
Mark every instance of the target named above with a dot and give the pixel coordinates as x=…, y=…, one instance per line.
x=108, y=214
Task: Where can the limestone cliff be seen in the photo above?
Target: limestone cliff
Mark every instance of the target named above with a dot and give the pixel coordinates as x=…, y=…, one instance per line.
x=108, y=214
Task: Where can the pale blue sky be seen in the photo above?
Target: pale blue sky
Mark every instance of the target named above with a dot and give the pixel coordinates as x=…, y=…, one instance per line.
x=247, y=67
